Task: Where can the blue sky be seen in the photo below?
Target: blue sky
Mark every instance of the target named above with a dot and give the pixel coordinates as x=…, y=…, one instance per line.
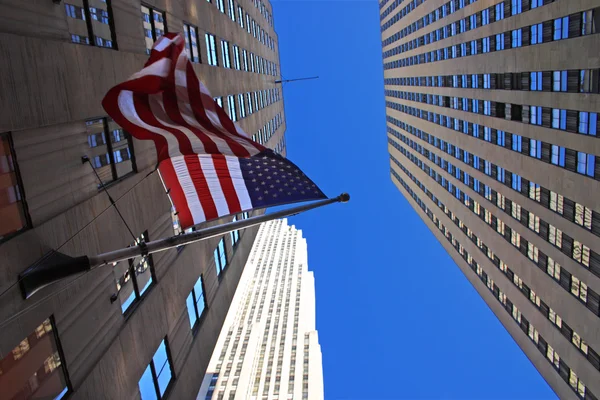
x=396, y=317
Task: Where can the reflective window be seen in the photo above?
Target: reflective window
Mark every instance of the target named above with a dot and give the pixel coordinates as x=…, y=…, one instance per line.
x=588, y=122
x=220, y=256
x=236, y=57
x=225, y=54
x=87, y=22
x=192, y=46
x=220, y=6
x=133, y=277
x=154, y=25
x=561, y=28
x=13, y=209
x=158, y=375
x=211, y=49
x=231, y=9
x=34, y=369
x=111, y=150
x=245, y=59
x=196, y=302
x=231, y=108
x=559, y=81
x=235, y=235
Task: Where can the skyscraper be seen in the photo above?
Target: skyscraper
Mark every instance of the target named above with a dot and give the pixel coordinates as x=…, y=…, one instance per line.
x=120, y=331
x=268, y=347
x=492, y=111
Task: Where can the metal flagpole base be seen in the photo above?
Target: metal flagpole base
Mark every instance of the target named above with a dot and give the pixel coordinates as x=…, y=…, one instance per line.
x=52, y=268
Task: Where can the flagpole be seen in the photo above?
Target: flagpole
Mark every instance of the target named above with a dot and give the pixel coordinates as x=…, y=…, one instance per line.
x=60, y=266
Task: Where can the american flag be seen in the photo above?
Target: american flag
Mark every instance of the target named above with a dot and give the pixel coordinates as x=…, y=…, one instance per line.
x=209, y=164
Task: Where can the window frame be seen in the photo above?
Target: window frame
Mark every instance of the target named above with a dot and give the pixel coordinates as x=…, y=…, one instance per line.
x=28, y=221
x=154, y=374
x=211, y=49
x=138, y=297
x=68, y=389
x=164, y=16
x=189, y=38
x=90, y=27
x=109, y=149
x=225, y=54
x=199, y=315
x=218, y=257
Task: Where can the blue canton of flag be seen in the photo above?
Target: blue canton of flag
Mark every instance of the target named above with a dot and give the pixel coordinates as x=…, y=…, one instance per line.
x=272, y=180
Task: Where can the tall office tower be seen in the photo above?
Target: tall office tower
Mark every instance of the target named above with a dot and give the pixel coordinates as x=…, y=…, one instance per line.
x=268, y=347
x=120, y=331
x=492, y=129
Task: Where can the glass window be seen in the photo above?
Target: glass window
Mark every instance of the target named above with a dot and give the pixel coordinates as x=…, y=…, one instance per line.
x=220, y=256
x=588, y=122
x=561, y=28
x=586, y=163
x=559, y=81
x=537, y=34
x=242, y=105
x=191, y=42
x=240, y=16
x=154, y=25
x=13, y=209
x=34, y=369
x=236, y=57
x=133, y=277
x=231, y=108
x=535, y=115
x=499, y=11
x=535, y=148
x=517, y=38
x=87, y=22
x=211, y=49
x=245, y=59
x=516, y=7
x=196, y=302
x=156, y=378
x=535, y=81
x=235, y=235
x=221, y=6
x=225, y=54
x=559, y=118
x=231, y=9
x=249, y=98
x=111, y=150
x=558, y=155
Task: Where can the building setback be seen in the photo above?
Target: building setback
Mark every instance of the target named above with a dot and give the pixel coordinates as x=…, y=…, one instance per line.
x=492, y=112
x=268, y=347
x=120, y=331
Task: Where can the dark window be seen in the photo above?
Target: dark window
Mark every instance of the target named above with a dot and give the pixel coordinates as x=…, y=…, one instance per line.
x=196, y=302
x=13, y=209
x=111, y=150
x=155, y=25
x=91, y=25
x=34, y=369
x=133, y=277
x=220, y=256
x=158, y=375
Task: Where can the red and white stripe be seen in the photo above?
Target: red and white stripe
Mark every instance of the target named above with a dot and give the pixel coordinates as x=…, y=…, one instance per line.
x=197, y=144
